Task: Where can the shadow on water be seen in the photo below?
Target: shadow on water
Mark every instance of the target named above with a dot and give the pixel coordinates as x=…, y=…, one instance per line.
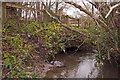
x=82, y=65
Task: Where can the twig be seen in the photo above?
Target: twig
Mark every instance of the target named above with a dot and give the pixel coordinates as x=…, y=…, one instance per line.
x=80, y=32
x=111, y=9
x=91, y=15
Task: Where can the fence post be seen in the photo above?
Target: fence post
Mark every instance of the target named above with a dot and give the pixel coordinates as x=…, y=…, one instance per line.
x=67, y=20
x=3, y=11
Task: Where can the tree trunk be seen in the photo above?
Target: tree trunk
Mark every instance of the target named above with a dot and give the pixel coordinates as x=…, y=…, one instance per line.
x=45, y=20
x=19, y=11
x=41, y=15
x=56, y=10
x=38, y=13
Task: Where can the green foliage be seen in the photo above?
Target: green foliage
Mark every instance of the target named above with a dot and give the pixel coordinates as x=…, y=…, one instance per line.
x=53, y=35
x=106, y=43
x=11, y=56
x=54, y=39
x=13, y=50
x=97, y=58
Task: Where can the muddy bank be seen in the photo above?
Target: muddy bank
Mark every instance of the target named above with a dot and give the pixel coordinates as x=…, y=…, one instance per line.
x=37, y=66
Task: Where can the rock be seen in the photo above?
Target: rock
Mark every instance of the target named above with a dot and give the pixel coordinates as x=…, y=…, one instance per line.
x=95, y=51
x=57, y=64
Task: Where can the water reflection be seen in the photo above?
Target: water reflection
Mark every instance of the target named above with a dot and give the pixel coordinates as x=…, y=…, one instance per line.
x=82, y=65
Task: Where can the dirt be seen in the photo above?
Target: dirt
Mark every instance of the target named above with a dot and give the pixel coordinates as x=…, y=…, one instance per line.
x=38, y=66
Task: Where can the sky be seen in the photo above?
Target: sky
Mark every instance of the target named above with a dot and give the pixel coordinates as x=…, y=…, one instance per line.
x=74, y=12
x=70, y=10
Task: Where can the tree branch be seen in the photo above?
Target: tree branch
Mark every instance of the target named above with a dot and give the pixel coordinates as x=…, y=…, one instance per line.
x=79, y=7
x=111, y=9
x=80, y=32
x=22, y=7
x=91, y=15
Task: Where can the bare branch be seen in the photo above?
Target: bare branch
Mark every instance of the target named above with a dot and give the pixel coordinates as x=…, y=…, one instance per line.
x=72, y=3
x=85, y=5
x=79, y=7
x=91, y=15
x=111, y=9
x=80, y=32
x=22, y=7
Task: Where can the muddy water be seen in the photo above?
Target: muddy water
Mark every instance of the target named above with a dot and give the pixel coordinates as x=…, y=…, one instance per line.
x=82, y=65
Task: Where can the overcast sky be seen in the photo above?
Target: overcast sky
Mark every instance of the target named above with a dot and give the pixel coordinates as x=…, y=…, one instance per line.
x=74, y=12
x=71, y=10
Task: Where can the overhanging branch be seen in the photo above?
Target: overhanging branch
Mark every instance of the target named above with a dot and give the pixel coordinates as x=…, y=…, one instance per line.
x=111, y=9
x=79, y=32
x=22, y=7
x=79, y=7
x=102, y=23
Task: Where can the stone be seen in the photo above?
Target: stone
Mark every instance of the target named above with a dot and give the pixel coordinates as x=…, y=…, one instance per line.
x=57, y=64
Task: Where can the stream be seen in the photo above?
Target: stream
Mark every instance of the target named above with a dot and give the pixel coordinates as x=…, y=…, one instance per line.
x=82, y=65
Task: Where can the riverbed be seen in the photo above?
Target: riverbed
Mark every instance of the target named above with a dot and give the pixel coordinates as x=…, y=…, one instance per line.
x=82, y=65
